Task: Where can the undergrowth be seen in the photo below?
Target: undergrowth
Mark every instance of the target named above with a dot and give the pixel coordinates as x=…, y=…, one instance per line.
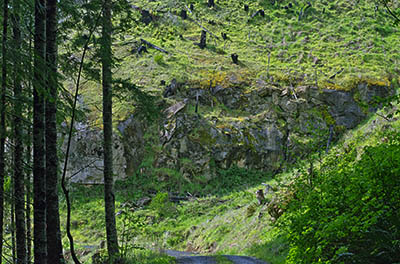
x=348, y=212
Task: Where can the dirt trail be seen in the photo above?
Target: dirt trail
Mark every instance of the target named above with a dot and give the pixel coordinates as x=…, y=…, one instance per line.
x=191, y=258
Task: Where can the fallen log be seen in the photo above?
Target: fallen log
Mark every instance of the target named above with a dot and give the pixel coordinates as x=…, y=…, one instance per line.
x=151, y=45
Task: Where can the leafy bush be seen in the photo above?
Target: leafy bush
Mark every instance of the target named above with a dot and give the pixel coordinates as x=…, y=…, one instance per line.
x=351, y=215
x=162, y=205
x=159, y=59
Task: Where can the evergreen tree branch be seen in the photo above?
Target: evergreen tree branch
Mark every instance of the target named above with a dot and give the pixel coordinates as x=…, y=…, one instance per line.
x=63, y=180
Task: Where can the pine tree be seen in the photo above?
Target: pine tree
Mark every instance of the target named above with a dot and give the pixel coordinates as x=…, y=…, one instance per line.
x=3, y=121
x=106, y=59
x=39, y=180
x=54, y=246
x=19, y=188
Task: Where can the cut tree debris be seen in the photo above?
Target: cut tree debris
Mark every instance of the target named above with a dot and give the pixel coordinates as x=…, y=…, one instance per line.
x=151, y=45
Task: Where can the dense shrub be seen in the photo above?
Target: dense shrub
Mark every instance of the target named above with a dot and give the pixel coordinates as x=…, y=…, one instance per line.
x=351, y=212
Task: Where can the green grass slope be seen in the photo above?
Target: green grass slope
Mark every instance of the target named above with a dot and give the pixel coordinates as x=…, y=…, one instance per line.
x=350, y=40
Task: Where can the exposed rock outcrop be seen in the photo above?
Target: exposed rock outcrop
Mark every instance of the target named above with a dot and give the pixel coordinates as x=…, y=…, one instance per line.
x=262, y=128
x=86, y=156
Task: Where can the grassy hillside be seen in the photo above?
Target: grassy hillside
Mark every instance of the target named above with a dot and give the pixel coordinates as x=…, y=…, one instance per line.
x=334, y=45
x=346, y=38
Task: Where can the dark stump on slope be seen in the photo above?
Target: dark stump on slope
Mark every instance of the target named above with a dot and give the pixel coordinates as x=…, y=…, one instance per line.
x=146, y=17
x=203, y=40
x=183, y=14
x=235, y=58
x=171, y=89
x=142, y=49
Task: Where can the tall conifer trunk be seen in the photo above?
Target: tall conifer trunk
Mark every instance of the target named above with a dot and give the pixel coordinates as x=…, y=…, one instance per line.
x=19, y=188
x=106, y=59
x=3, y=121
x=54, y=246
x=39, y=180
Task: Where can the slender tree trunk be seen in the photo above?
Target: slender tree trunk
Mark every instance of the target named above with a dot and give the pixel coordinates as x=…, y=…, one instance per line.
x=28, y=201
x=111, y=230
x=19, y=189
x=28, y=157
x=3, y=121
x=12, y=216
x=54, y=246
x=39, y=180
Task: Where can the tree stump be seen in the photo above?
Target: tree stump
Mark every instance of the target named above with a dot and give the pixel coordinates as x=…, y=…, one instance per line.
x=171, y=89
x=246, y=8
x=146, y=17
x=224, y=36
x=235, y=58
x=183, y=14
x=211, y=3
x=142, y=49
x=203, y=39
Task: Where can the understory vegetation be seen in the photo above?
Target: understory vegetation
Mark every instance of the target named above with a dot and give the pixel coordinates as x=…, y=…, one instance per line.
x=343, y=210
x=347, y=210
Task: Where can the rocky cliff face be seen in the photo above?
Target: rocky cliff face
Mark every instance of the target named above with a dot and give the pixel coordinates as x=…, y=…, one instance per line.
x=85, y=163
x=256, y=129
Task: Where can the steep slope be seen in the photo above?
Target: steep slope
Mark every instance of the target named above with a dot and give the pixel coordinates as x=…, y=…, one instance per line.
x=303, y=70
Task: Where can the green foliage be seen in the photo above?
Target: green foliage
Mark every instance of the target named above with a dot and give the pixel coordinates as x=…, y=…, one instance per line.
x=159, y=59
x=131, y=226
x=235, y=178
x=145, y=104
x=149, y=257
x=352, y=213
x=251, y=209
x=162, y=205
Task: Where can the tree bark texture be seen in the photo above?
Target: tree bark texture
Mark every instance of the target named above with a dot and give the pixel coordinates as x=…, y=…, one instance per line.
x=19, y=188
x=28, y=201
x=111, y=230
x=39, y=180
x=28, y=160
x=54, y=245
x=3, y=121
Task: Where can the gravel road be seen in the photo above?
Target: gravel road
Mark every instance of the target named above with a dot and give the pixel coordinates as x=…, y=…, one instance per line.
x=191, y=258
